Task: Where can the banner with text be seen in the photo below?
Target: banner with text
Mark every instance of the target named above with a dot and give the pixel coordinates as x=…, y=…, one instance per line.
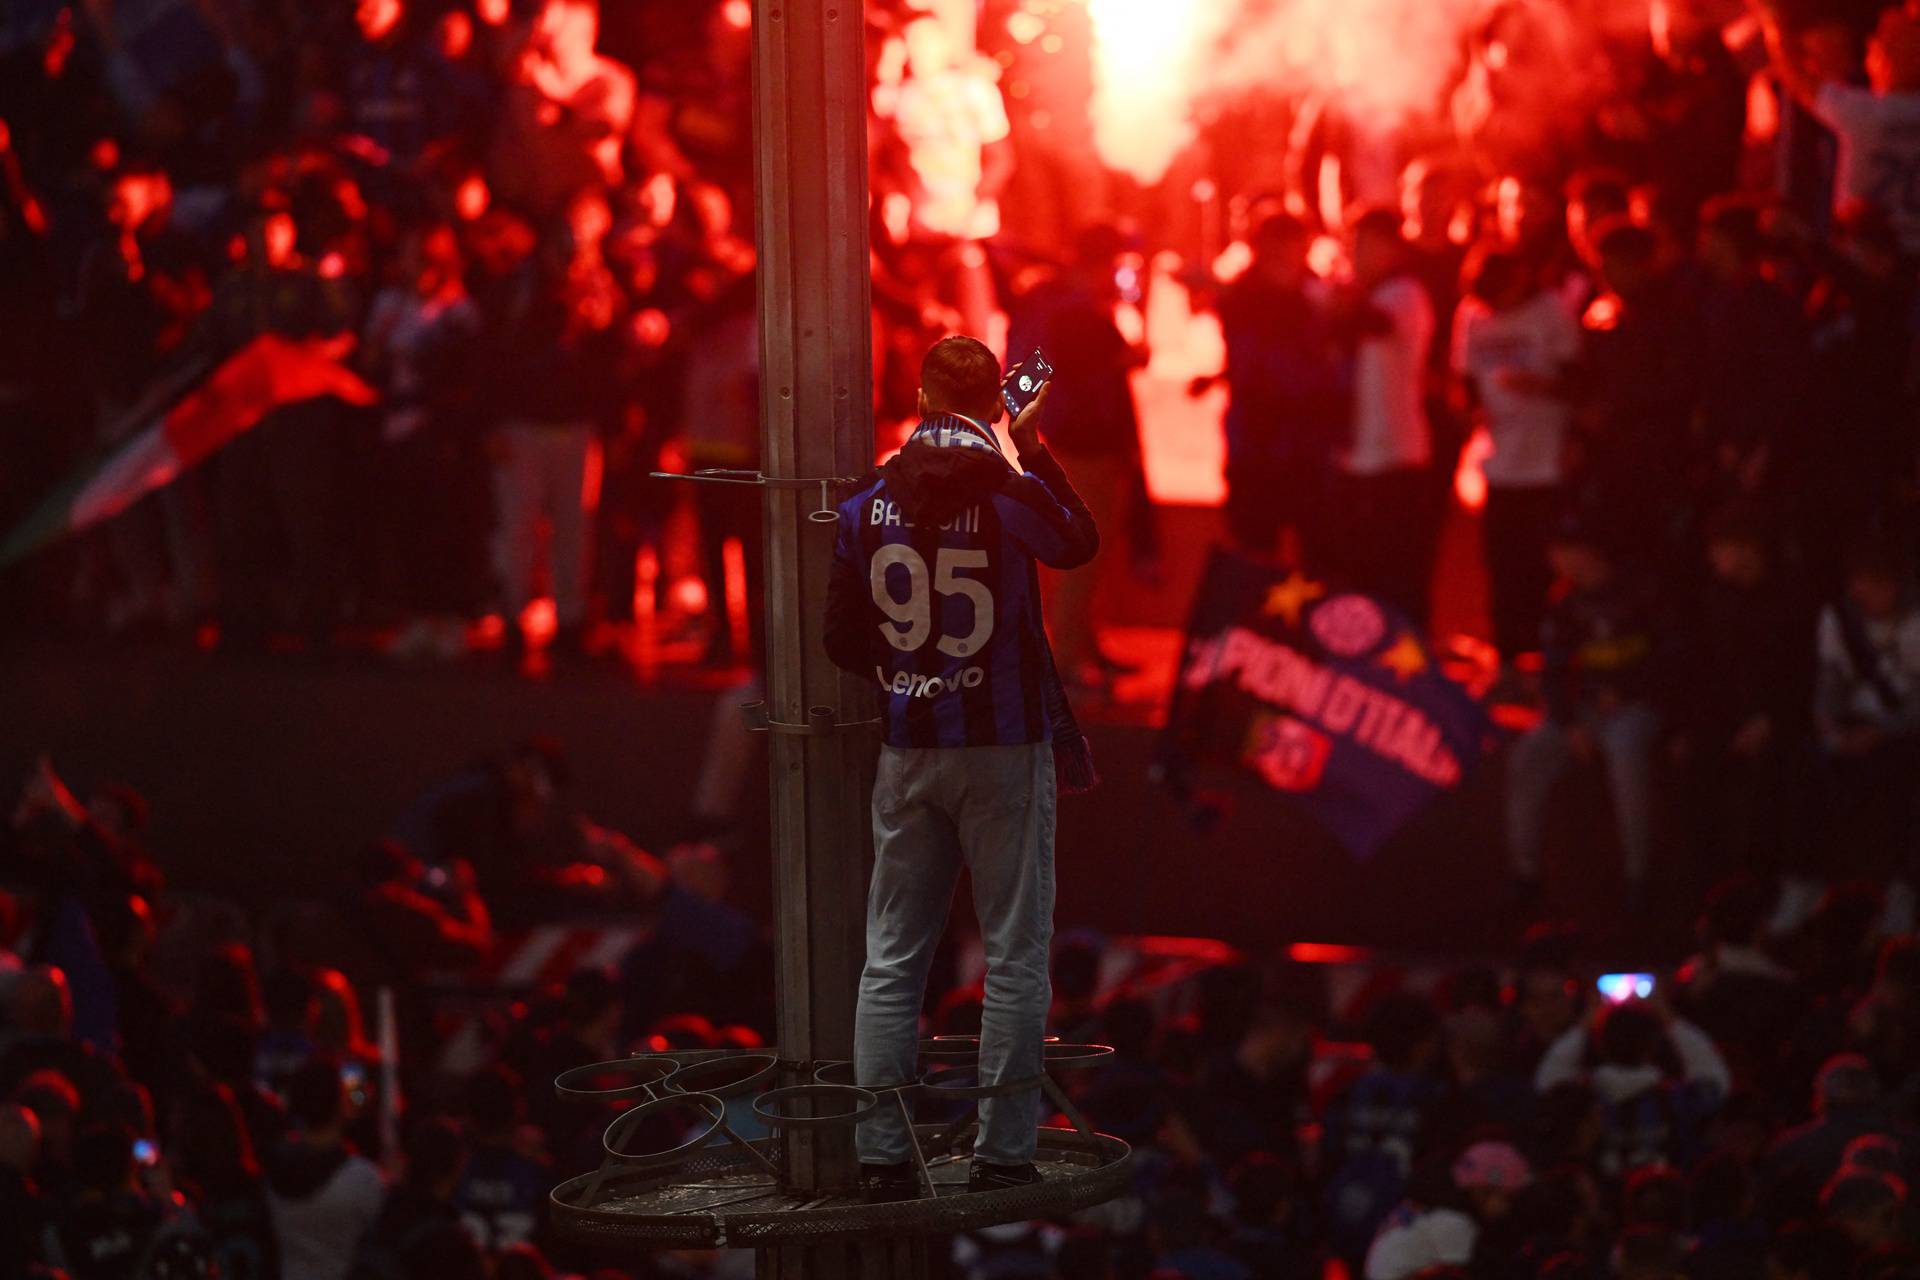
x=1329, y=695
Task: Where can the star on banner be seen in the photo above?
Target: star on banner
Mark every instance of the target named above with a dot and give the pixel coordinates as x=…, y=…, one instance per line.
x=1405, y=658
x=1290, y=597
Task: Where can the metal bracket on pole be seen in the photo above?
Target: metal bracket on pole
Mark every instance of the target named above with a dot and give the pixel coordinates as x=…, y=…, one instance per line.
x=820, y=720
x=729, y=475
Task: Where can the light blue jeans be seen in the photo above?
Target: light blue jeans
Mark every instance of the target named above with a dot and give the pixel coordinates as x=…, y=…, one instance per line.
x=936, y=809
x=1624, y=739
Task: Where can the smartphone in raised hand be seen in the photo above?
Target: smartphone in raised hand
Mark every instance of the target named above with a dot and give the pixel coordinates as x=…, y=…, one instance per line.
x=1023, y=382
x=1618, y=988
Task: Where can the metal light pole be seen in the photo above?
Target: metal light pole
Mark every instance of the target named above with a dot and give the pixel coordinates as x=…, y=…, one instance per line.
x=810, y=142
x=791, y=1197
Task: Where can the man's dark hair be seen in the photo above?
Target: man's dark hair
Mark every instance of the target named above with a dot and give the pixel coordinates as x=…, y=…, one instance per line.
x=960, y=375
x=314, y=1093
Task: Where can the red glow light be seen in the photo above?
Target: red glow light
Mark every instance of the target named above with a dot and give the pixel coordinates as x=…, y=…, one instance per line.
x=1326, y=953
x=738, y=14
x=471, y=198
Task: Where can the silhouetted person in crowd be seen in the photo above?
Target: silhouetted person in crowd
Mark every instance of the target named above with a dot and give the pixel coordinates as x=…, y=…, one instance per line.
x=214, y=1165
x=1515, y=343
x=24, y=1210
x=1287, y=402
x=1093, y=427
x=1636, y=396
x=502, y=1196
x=114, y=1228
x=1867, y=712
x=1657, y=1076
x=1385, y=513
x=1607, y=649
x=1376, y=1133
x=418, y=1234
x=322, y=1192
x=1741, y=716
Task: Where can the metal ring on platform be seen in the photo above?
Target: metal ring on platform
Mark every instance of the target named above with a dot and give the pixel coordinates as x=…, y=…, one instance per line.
x=835, y=1073
x=950, y=1048
x=731, y=1076
x=639, y=1074
x=1072, y=1057
x=713, y=1110
x=841, y=1073
x=767, y=1105
x=931, y=1083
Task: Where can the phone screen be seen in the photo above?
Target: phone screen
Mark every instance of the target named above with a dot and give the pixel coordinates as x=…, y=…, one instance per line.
x=1618, y=988
x=1024, y=381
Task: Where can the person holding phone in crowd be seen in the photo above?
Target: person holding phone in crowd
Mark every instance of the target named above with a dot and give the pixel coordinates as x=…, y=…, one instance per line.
x=933, y=596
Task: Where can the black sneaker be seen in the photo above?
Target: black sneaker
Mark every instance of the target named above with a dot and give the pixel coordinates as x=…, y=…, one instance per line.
x=998, y=1177
x=885, y=1183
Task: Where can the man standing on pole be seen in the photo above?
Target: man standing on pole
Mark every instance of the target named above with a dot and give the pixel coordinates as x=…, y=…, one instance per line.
x=933, y=595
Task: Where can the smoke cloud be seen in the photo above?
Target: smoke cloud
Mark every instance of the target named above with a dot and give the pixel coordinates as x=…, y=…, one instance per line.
x=1381, y=63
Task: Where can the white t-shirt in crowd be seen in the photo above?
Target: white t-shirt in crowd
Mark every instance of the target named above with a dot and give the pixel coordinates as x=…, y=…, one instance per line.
x=945, y=121
x=1411, y=1240
x=1879, y=152
x=1389, y=384
x=318, y=1233
x=1529, y=430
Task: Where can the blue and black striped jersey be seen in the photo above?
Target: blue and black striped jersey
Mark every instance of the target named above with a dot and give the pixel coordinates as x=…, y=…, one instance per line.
x=932, y=590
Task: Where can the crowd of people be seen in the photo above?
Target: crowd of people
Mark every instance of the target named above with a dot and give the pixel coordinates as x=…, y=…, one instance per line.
x=192, y=1092
x=527, y=225
x=331, y=1089
x=1691, y=426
